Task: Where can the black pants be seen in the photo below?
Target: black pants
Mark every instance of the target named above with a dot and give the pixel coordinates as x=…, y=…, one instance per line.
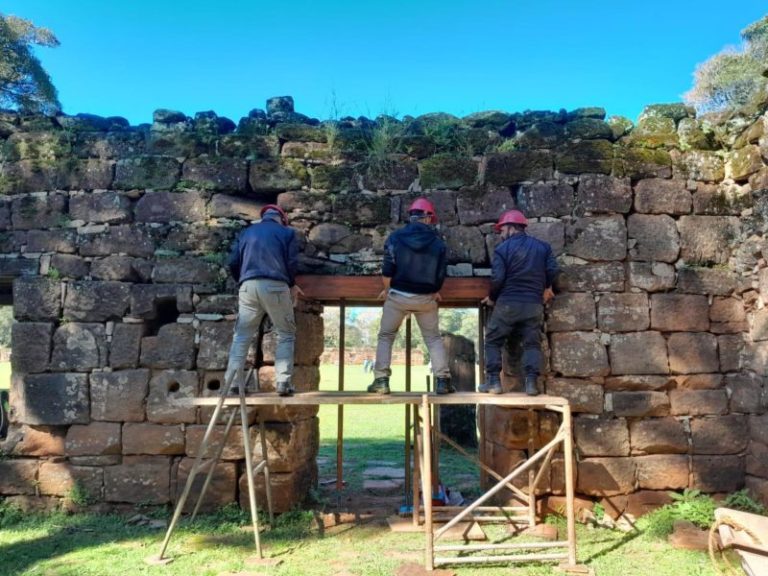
x=521, y=319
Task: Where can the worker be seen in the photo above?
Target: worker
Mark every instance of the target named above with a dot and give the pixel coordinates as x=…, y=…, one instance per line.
x=413, y=273
x=263, y=260
x=524, y=277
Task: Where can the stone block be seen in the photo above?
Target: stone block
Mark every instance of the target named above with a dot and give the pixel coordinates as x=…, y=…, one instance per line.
x=644, y=502
x=638, y=353
x=583, y=395
x=757, y=459
x=216, y=173
x=147, y=300
x=143, y=172
x=119, y=396
x=89, y=301
x=606, y=476
x=597, y=238
x=679, y=313
x=31, y=345
x=623, y=313
x=333, y=178
x=706, y=281
x=101, y=207
x=746, y=392
x=215, y=340
x=636, y=383
x=144, y=438
x=225, y=206
x=165, y=387
x=447, y=171
x=62, y=241
x=60, y=478
x=720, y=434
x=476, y=209
x=553, y=233
x=601, y=436
x=602, y=277
x=593, y=156
x=305, y=378
x=661, y=196
x=718, y=473
x=651, y=277
x=662, y=472
x=138, y=480
x=465, y=244
x=698, y=402
x=545, y=199
x=288, y=490
x=571, y=311
x=658, y=436
x=517, y=166
x=94, y=439
x=36, y=441
x=233, y=449
x=707, y=239
x=398, y=172
x=173, y=347
x=699, y=381
x=721, y=200
x=758, y=487
x=18, y=476
x=361, y=209
x=600, y=193
x=758, y=428
x=170, y=207
x=744, y=162
x=121, y=268
x=119, y=239
x=759, y=325
x=270, y=177
x=38, y=212
x=51, y=399
x=691, y=353
x=640, y=404
x=731, y=350
x=655, y=236
x=222, y=490
x=703, y=165
x=579, y=354
x=36, y=299
x=125, y=345
x=79, y=348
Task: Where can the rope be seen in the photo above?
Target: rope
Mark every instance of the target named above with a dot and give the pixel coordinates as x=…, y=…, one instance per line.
x=727, y=521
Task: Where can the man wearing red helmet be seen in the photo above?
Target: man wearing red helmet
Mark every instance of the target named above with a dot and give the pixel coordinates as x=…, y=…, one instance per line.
x=413, y=273
x=263, y=260
x=524, y=273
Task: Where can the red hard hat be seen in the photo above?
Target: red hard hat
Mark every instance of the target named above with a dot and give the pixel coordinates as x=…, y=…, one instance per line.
x=283, y=217
x=423, y=205
x=511, y=217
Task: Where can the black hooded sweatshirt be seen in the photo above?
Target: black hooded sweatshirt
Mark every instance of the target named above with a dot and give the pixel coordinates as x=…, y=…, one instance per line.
x=415, y=259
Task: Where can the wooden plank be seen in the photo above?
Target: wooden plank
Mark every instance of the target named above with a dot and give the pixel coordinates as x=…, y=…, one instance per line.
x=754, y=557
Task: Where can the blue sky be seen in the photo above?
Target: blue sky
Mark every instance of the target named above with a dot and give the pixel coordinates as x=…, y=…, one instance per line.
x=355, y=57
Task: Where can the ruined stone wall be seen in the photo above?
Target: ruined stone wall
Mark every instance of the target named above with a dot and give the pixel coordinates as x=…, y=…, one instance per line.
x=115, y=236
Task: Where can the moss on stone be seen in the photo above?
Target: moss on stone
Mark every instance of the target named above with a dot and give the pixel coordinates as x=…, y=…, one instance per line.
x=643, y=163
x=300, y=133
x=655, y=132
x=447, y=171
x=334, y=178
x=589, y=129
x=542, y=135
x=591, y=156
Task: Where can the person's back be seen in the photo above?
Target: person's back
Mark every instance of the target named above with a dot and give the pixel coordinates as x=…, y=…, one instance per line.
x=265, y=249
x=415, y=259
x=529, y=267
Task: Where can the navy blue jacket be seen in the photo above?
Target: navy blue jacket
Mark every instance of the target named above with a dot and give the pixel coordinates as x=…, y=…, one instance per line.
x=523, y=267
x=266, y=249
x=415, y=260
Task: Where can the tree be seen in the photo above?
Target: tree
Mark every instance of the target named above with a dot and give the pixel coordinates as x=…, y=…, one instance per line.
x=733, y=78
x=24, y=84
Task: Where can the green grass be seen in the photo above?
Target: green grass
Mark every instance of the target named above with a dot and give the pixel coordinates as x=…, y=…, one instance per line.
x=5, y=375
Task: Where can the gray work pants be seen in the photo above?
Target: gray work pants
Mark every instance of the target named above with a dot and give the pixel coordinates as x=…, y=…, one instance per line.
x=424, y=308
x=256, y=298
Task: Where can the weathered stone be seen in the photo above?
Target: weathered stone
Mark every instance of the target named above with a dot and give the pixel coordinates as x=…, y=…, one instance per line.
x=215, y=338
x=271, y=177
x=637, y=163
x=593, y=156
x=152, y=439
x=215, y=173
x=517, y=166
x=60, y=479
x=142, y=172
x=79, y=347
x=759, y=326
x=721, y=200
x=720, y=434
x=88, y=174
x=638, y=353
x=733, y=356
x=702, y=165
x=18, y=476
x=699, y=381
x=691, y=353
x=658, y=436
x=397, y=172
x=288, y=490
x=579, y=354
x=692, y=135
x=185, y=270
x=655, y=237
x=121, y=268
x=217, y=304
x=94, y=439
x=122, y=239
x=210, y=242
x=89, y=301
x=637, y=383
x=553, y=233
x=484, y=208
x=597, y=238
x=640, y=404
x=759, y=180
x=126, y=342
x=52, y=399
x=600, y=193
x=542, y=134
x=545, y=199
x=119, y=396
x=222, y=490
x=334, y=178
x=603, y=277
x=658, y=196
x=165, y=387
x=707, y=239
x=623, y=312
x=654, y=132
x=662, y=472
x=744, y=162
x=706, y=281
x=588, y=129
x=606, y=476
x=571, y=311
x=337, y=238
x=758, y=428
x=100, y=207
x=718, y=473
x=465, y=244
x=757, y=459
x=601, y=436
x=170, y=206
x=36, y=299
x=224, y=206
x=35, y=441
x=582, y=395
x=450, y=171
x=47, y=211
x=62, y=241
x=746, y=393
x=305, y=378
x=138, y=480
x=361, y=209
x=679, y=312
x=31, y=345
x=147, y=300
x=173, y=347
x=651, y=277
x=18, y=267
x=698, y=402
x=233, y=448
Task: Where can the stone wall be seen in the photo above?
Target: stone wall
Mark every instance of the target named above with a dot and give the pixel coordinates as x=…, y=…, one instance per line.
x=115, y=236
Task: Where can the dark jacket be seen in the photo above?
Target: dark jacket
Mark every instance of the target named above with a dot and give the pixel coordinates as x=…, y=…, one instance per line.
x=414, y=258
x=266, y=249
x=523, y=267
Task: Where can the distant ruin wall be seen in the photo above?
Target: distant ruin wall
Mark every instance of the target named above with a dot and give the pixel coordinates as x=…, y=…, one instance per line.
x=115, y=237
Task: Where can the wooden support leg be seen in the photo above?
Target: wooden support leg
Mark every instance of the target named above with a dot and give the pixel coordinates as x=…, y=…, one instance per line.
x=426, y=482
x=265, y=456
x=417, y=452
x=249, y=473
x=569, y=488
x=531, y=472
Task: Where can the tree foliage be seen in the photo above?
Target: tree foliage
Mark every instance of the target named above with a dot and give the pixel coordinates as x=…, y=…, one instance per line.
x=24, y=83
x=733, y=78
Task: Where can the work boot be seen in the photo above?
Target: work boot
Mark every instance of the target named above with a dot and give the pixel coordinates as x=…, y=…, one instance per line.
x=284, y=389
x=443, y=385
x=380, y=385
x=492, y=384
x=531, y=387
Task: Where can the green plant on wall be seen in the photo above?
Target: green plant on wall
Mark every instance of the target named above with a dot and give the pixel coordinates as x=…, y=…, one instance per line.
x=386, y=138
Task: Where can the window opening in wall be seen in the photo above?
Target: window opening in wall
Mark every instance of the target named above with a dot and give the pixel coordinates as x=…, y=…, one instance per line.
x=166, y=312
x=6, y=321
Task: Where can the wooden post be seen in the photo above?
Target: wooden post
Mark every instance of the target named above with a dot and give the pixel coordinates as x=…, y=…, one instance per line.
x=249, y=471
x=480, y=381
x=531, y=472
x=569, y=488
x=408, y=409
x=416, y=464
x=426, y=481
x=265, y=460
x=340, y=409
